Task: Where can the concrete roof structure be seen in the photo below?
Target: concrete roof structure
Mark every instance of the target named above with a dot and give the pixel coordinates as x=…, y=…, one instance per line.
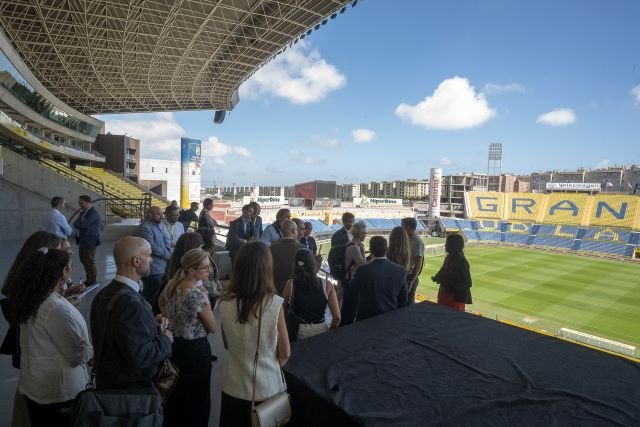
x=109, y=56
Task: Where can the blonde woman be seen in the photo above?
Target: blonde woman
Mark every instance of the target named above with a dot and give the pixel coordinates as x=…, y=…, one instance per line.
x=354, y=258
x=399, y=250
x=188, y=309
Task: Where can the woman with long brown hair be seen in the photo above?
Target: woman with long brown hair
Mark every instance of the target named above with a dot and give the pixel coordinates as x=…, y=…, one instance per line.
x=399, y=250
x=251, y=305
x=454, y=276
x=190, y=320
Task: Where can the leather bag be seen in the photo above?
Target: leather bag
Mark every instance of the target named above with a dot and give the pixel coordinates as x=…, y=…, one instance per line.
x=166, y=379
x=276, y=410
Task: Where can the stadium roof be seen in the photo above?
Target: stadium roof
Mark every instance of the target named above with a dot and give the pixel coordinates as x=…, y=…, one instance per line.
x=106, y=56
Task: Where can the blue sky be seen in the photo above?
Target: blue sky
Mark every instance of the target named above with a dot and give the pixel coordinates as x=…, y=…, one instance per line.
x=390, y=89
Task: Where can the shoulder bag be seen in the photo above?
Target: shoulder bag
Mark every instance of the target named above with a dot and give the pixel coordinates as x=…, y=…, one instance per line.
x=276, y=410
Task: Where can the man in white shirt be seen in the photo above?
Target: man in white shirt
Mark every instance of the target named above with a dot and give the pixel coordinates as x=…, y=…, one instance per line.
x=416, y=246
x=56, y=223
x=170, y=225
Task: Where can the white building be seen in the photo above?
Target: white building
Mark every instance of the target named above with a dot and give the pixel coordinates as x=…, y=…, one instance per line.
x=161, y=176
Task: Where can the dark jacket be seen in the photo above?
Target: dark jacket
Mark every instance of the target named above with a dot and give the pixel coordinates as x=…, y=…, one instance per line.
x=381, y=286
x=284, y=253
x=88, y=225
x=206, y=220
x=133, y=349
x=187, y=217
x=257, y=227
x=340, y=237
x=455, y=277
x=237, y=232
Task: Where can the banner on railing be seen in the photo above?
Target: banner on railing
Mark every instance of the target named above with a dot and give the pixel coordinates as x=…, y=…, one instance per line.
x=573, y=186
x=365, y=201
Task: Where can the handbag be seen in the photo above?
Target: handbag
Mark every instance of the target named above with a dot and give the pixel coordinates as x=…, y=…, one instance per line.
x=137, y=406
x=276, y=410
x=290, y=317
x=166, y=379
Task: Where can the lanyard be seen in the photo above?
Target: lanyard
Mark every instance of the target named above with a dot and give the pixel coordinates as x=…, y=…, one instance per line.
x=170, y=230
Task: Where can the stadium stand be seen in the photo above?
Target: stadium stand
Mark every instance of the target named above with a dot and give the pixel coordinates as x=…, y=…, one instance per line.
x=601, y=224
x=122, y=186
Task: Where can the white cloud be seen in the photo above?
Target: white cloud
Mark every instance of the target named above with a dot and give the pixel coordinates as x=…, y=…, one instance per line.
x=160, y=133
x=333, y=142
x=445, y=161
x=298, y=157
x=453, y=105
x=558, y=117
x=299, y=75
x=491, y=88
x=213, y=148
x=636, y=93
x=602, y=164
x=362, y=136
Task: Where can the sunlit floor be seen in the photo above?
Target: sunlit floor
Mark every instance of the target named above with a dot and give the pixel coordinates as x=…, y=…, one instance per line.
x=106, y=271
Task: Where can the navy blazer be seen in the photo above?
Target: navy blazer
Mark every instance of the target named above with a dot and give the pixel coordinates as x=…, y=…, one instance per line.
x=340, y=237
x=88, y=226
x=381, y=286
x=237, y=232
x=133, y=349
x=257, y=227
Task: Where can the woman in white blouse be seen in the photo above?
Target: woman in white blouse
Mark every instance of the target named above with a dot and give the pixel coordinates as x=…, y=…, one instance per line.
x=54, y=340
x=251, y=304
x=186, y=304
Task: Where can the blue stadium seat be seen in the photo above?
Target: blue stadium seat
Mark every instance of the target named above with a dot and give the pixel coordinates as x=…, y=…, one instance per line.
x=553, y=241
x=319, y=227
x=634, y=238
x=603, y=247
x=516, y=238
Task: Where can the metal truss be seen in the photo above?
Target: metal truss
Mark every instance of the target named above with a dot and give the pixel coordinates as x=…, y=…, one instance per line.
x=108, y=56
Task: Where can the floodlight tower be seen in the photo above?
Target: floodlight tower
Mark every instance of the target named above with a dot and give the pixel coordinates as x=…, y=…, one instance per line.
x=494, y=167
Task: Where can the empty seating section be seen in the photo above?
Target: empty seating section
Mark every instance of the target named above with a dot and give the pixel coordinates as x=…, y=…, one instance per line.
x=606, y=234
x=516, y=238
x=319, y=227
x=604, y=247
x=377, y=225
x=120, y=186
x=552, y=241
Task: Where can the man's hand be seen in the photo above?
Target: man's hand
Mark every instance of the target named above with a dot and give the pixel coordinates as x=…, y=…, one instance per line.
x=167, y=333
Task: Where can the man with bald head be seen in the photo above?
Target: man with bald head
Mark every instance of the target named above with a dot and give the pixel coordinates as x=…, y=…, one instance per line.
x=160, y=244
x=129, y=343
x=283, y=252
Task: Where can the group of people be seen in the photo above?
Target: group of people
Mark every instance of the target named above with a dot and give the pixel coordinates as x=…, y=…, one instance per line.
x=160, y=305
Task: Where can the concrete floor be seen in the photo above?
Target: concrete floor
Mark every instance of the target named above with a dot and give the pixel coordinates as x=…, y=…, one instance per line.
x=106, y=271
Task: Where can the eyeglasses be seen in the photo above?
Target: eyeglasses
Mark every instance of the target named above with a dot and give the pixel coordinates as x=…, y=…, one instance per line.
x=208, y=267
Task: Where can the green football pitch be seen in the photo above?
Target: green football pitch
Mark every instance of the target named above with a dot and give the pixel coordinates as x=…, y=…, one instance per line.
x=548, y=291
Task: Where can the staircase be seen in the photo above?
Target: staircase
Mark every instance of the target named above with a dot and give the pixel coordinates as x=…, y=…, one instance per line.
x=120, y=199
x=121, y=186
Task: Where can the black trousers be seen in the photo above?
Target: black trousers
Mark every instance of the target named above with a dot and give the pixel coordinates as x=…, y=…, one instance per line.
x=190, y=402
x=349, y=304
x=49, y=415
x=235, y=412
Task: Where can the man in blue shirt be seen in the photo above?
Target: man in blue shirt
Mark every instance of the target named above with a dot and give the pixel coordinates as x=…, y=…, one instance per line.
x=308, y=240
x=56, y=222
x=160, y=243
x=273, y=232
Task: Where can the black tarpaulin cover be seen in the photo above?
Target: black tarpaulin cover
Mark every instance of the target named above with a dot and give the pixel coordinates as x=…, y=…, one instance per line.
x=430, y=365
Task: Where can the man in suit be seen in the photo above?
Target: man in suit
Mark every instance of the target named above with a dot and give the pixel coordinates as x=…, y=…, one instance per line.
x=342, y=236
x=256, y=220
x=381, y=285
x=188, y=216
x=160, y=244
x=240, y=231
x=88, y=238
x=129, y=343
x=284, y=252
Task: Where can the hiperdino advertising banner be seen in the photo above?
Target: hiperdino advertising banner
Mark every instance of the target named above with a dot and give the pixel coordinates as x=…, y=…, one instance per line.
x=270, y=200
x=375, y=202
